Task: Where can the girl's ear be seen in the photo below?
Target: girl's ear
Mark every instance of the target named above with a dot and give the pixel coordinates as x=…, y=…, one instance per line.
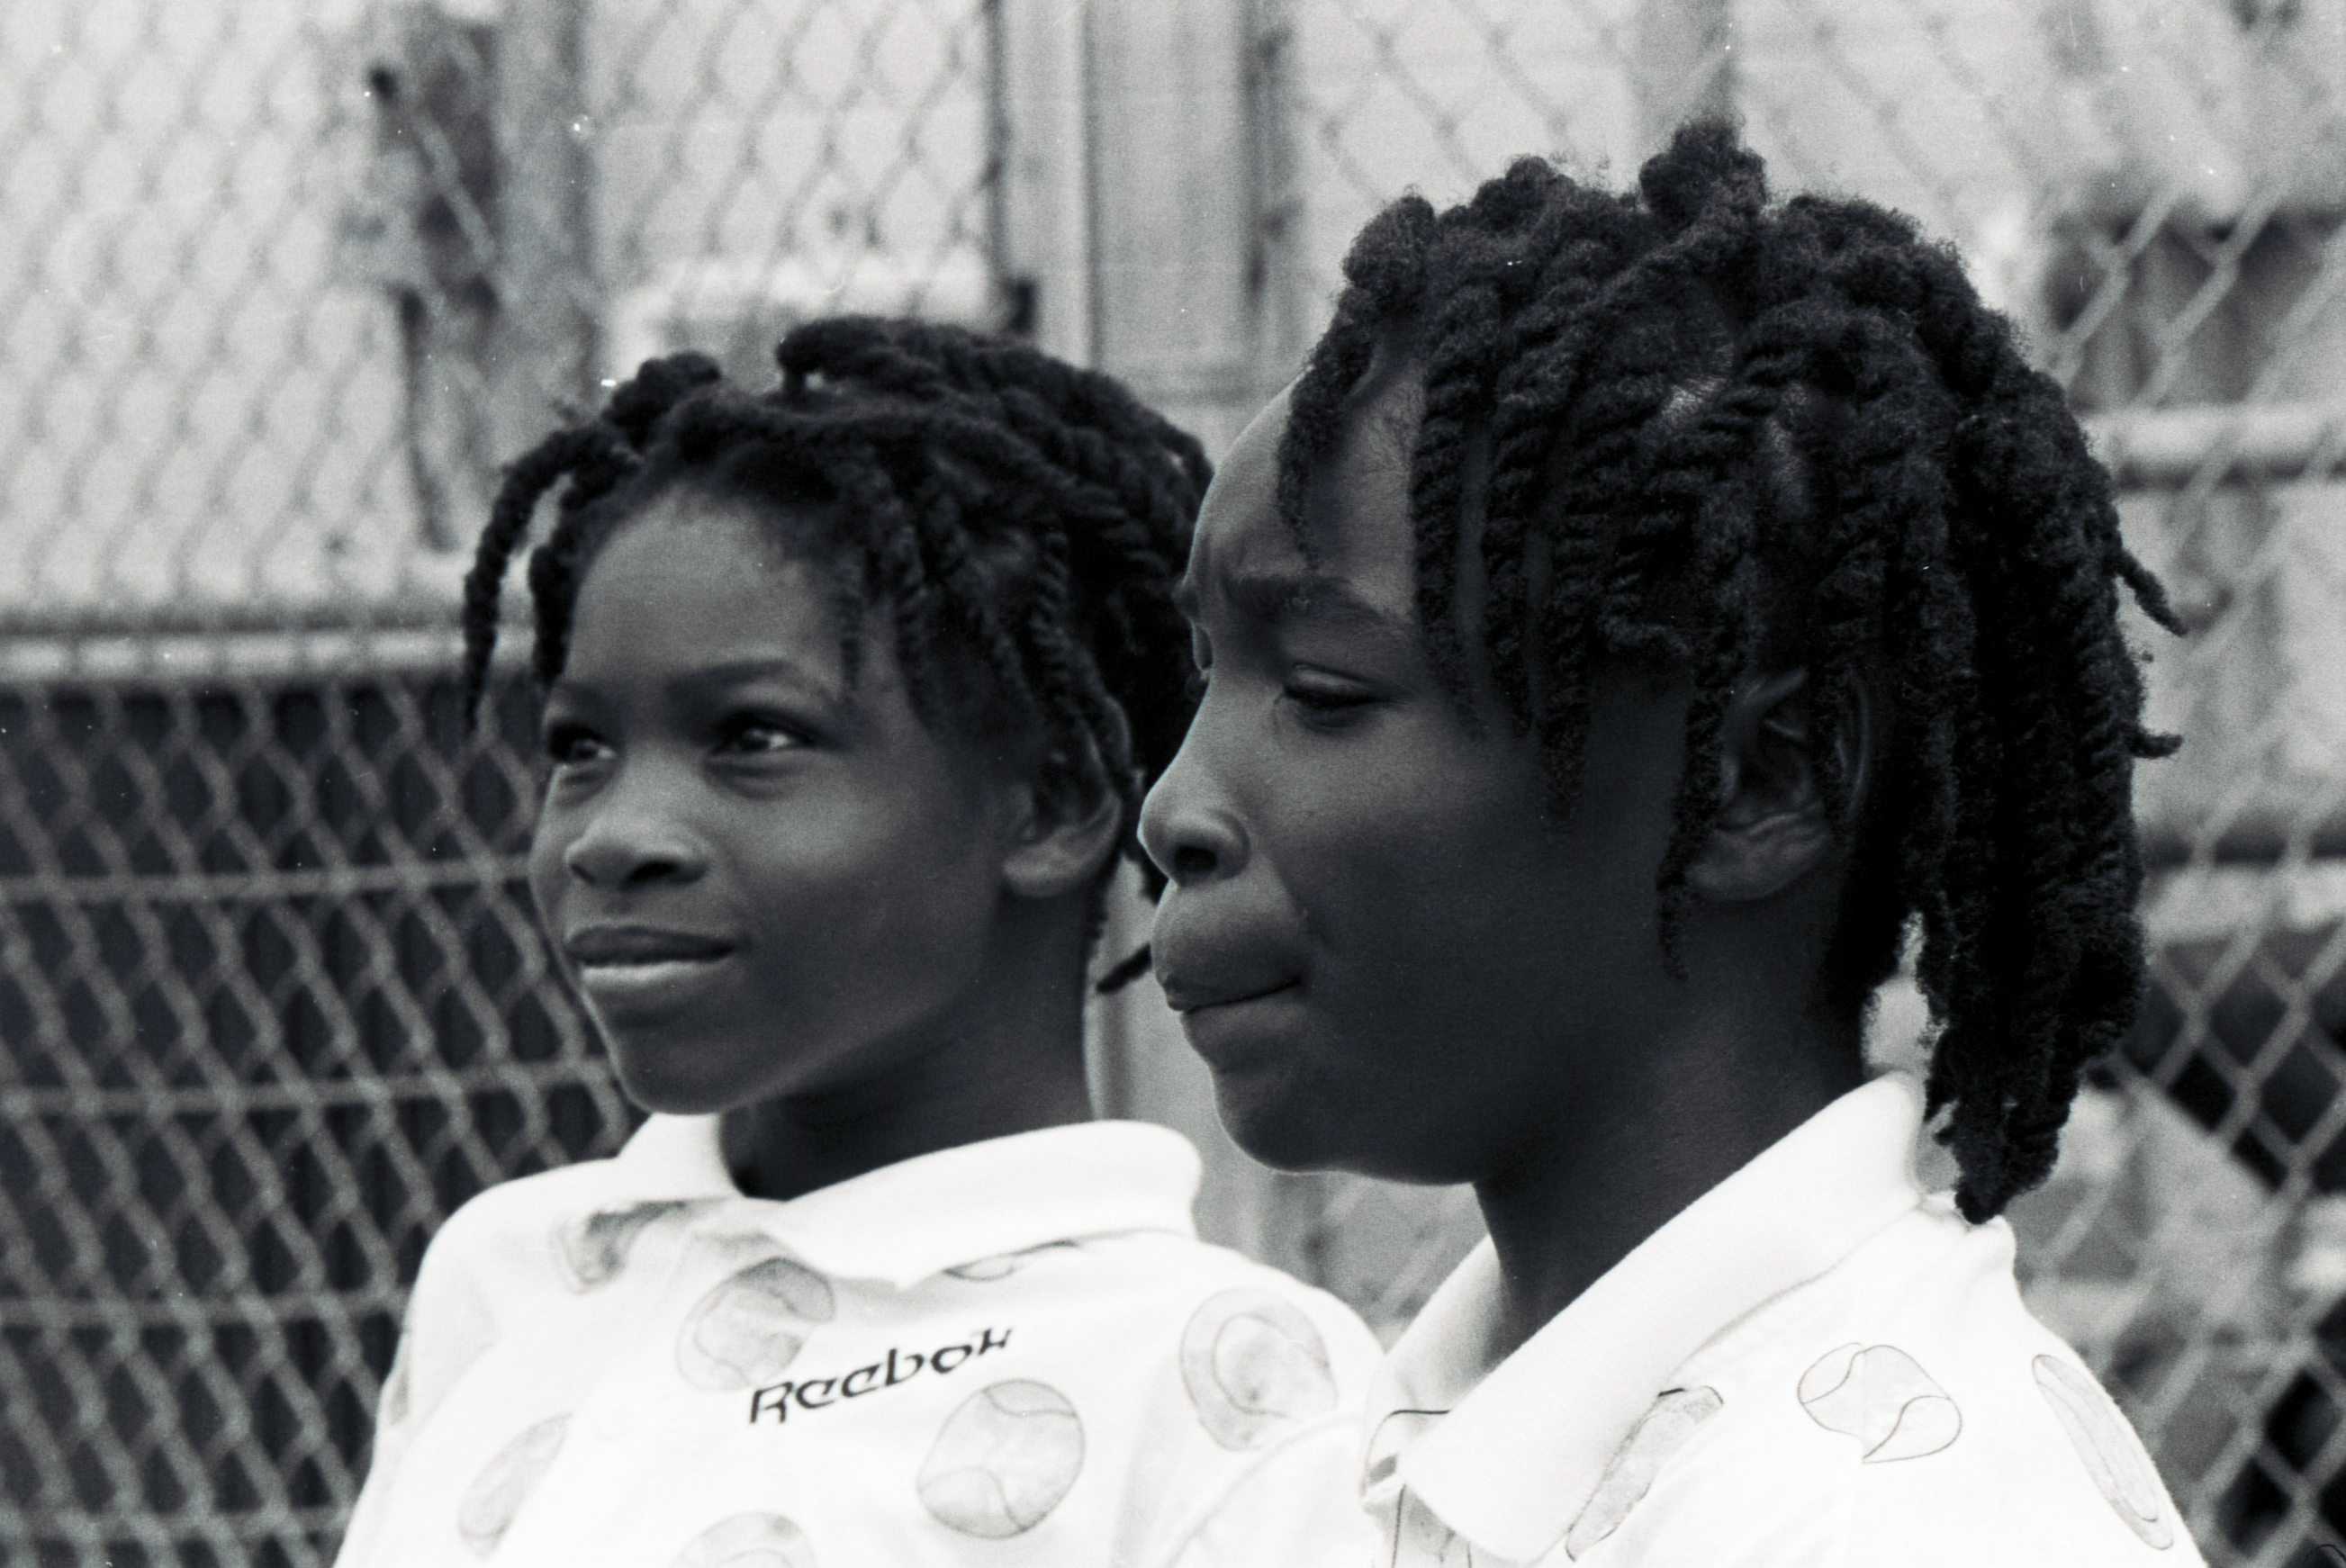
x=1065, y=829
x=1773, y=823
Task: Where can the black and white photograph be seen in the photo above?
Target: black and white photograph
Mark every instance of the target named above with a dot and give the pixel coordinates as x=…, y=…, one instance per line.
x=1172, y=783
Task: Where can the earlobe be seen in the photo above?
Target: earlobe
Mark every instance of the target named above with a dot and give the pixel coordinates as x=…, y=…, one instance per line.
x=1761, y=859
x=1065, y=824
x=1055, y=849
x=1775, y=824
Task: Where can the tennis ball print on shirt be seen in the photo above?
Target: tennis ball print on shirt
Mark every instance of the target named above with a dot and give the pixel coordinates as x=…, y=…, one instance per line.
x=1881, y=1396
x=750, y=1326
x=1421, y=1541
x=1629, y=1474
x=1253, y=1364
x=487, y=1509
x=749, y=1541
x=590, y=1250
x=1002, y=1264
x=2113, y=1456
x=1002, y=1459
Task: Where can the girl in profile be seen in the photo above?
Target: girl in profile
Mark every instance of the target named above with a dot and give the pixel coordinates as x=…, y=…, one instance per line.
x=1645, y=611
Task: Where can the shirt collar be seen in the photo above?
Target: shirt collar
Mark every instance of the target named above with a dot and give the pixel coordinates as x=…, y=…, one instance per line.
x=1525, y=1442
x=905, y=1222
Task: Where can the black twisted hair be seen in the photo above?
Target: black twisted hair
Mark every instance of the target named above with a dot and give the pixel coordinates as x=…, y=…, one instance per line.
x=1724, y=435
x=1023, y=522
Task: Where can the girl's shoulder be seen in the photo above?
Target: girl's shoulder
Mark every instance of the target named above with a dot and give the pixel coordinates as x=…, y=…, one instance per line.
x=494, y=1214
x=1214, y=1307
x=568, y=1229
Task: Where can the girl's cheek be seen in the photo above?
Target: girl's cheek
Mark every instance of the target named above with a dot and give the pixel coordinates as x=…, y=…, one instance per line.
x=547, y=881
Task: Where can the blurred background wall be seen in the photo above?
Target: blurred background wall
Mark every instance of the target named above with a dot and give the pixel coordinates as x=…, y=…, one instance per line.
x=281, y=285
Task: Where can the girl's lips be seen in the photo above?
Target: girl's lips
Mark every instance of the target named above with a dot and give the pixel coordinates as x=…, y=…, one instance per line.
x=624, y=946
x=1218, y=948
x=1190, y=1000
x=639, y=983
x=631, y=966
x=1244, y=1032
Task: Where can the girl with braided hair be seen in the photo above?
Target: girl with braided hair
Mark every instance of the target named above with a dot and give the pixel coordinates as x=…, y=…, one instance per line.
x=1645, y=612
x=852, y=689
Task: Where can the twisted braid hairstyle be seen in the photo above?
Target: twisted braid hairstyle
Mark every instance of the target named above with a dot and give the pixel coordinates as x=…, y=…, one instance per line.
x=1722, y=435
x=1023, y=523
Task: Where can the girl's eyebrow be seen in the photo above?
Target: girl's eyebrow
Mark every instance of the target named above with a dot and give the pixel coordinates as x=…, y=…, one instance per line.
x=824, y=686
x=733, y=672
x=1274, y=599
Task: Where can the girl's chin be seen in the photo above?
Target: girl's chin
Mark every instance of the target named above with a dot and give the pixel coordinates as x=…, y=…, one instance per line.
x=1267, y=1117
x=1291, y=1125
x=651, y=1079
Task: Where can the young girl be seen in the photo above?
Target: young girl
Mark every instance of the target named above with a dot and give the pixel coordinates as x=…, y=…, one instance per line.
x=852, y=689
x=1642, y=610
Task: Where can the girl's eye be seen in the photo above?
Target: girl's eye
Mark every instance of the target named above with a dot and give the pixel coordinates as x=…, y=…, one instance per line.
x=1323, y=696
x=568, y=745
x=755, y=735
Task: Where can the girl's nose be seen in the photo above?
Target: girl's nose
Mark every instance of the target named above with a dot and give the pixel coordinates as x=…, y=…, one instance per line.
x=634, y=835
x=1187, y=828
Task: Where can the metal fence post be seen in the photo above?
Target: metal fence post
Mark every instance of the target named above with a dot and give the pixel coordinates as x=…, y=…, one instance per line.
x=1182, y=109
x=1178, y=295
x=482, y=130
x=546, y=272
x=1041, y=212
x=1684, y=65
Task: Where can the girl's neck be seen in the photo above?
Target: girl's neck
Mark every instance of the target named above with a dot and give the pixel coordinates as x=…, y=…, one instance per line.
x=786, y=1148
x=1010, y=1060
x=1702, y=1106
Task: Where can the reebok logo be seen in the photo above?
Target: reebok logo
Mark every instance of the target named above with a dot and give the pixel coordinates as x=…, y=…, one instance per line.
x=899, y=1366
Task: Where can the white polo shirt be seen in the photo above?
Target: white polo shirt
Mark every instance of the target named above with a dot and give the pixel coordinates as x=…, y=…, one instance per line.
x=1011, y=1352
x=1813, y=1364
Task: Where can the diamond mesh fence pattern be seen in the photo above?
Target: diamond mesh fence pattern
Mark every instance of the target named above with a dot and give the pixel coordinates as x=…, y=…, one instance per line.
x=273, y=1006
x=280, y=286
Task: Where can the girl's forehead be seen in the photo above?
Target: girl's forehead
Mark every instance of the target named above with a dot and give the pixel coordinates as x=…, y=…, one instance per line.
x=1249, y=558
x=800, y=541
x=1369, y=467
x=710, y=582
x=1356, y=505
x=779, y=534
x=1387, y=406
x=724, y=567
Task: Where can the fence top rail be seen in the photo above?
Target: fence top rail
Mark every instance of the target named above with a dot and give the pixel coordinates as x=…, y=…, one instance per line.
x=163, y=654
x=2168, y=447
x=174, y=643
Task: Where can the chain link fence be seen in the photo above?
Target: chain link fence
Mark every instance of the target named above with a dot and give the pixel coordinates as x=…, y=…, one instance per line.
x=280, y=287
